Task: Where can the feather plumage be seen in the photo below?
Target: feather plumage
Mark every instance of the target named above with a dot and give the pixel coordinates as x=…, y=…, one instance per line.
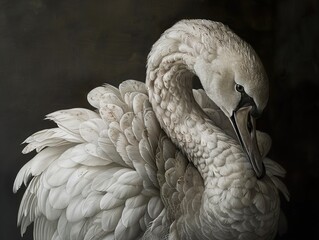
x=145, y=164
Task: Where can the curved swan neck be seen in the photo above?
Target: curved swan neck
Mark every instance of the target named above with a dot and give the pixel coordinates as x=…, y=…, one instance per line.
x=170, y=70
x=169, y=83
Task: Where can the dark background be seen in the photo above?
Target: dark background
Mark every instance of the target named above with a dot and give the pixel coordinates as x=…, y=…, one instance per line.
x=53, y=52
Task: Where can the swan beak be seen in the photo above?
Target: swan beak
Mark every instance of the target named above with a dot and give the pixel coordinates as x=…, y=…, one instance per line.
x=245, y=127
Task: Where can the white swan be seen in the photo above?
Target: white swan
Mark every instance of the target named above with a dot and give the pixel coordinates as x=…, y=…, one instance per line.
x=114, y=173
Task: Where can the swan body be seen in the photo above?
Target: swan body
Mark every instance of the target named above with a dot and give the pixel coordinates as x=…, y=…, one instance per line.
x=160, y=160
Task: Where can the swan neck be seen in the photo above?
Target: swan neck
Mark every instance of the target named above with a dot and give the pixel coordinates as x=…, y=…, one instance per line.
x=170, y=93
x=171, y=96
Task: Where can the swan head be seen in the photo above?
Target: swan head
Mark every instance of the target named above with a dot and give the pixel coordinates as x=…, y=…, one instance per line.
x=236, y=81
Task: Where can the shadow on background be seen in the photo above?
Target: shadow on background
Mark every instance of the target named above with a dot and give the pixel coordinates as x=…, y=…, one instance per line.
x=53, y=52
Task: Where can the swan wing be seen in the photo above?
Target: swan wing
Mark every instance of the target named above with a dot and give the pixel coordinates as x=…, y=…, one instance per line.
x=94, y=176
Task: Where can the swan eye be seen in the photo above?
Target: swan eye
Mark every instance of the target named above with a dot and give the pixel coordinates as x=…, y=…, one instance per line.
x=239, y=88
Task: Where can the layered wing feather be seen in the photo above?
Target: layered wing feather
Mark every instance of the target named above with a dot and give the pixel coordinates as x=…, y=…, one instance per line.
x=95, y=175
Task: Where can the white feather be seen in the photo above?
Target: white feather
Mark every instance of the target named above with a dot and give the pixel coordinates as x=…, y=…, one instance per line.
x=132, y=86
x=43, y=229
x=132, y=216
x=138, y=126
x=122, y=233
x=74, y=209
x=37, y=165
x=64, y=226
x=51, y=213
x=153, y=128
x=111, y=113
x=95, y=95
x=86, y=154
x=126, y=120
x=69, y=120
x=59, y=198
x=104, y=180
x=154, y=207
x=138, y=102
x=124, y=191
x=90, y=130
x=111, y=218
x=108, y=201
x=146, y=152
x=128, y=132
x=76, y=231
x=282, y=187
x=77, y=181
x=49, y=138
x=90, y=206
x=130, y=178
x=95, y=231
x=57, y=176
x=109, y=149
